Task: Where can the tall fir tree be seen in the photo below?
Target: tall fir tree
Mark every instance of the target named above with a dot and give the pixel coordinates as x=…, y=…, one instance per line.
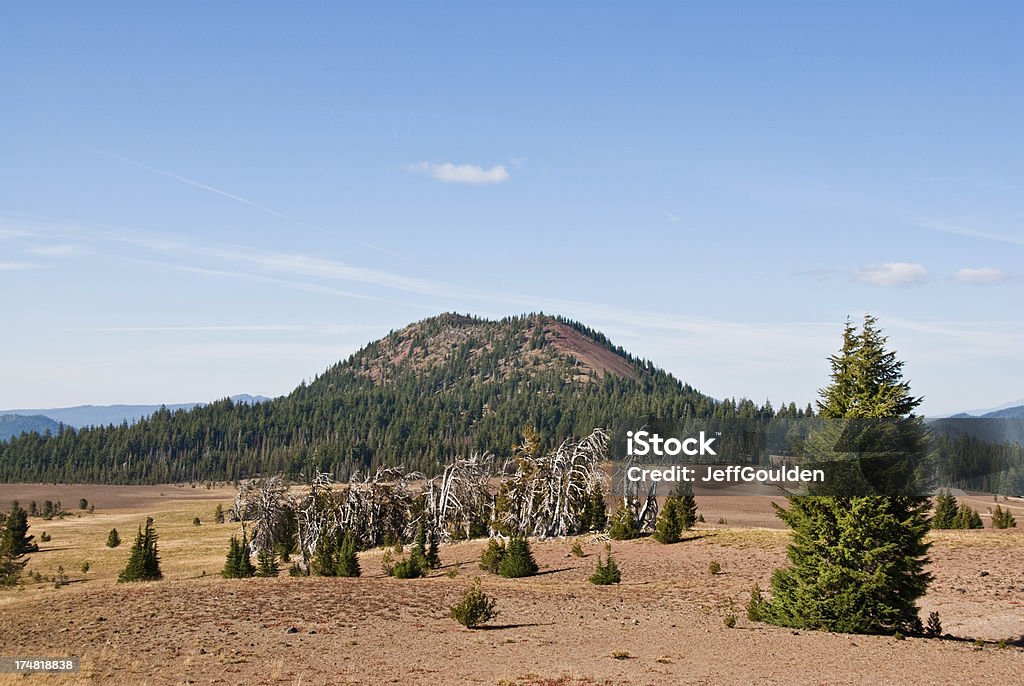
x=17, y=524
x=238, y=564
x=945, y=510
x=348, y=556
x=857, y=561
x=266, y=563
x=144, y=559
x=687, y=505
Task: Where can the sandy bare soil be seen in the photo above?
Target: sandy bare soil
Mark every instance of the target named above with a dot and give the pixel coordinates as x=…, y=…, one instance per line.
x=663, y=625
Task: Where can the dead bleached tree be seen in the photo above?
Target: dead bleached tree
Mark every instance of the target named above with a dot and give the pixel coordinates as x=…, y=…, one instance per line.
x=379, y=509
x=548, y=494
x=458, y=503
x=316, y=515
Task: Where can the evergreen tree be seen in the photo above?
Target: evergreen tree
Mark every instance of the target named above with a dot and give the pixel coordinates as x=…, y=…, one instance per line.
x=325, y=557
x=624, y=524
x=113, y=539
x=666, y=529
x=433, y=557
x=16, y=524
x=348, y=556
x=490, y=559
x=518, y=559
x=857, y=561
x=218, y=514
x=143, y=560
x=945, y=510
x=266, y=563
x=14, y=543
x=1003, y=519
x=687, y=505
x=606, y=572
x=595, y=512
x=967, y=518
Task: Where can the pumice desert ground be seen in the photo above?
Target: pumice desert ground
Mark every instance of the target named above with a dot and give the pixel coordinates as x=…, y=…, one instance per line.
x=662, y=625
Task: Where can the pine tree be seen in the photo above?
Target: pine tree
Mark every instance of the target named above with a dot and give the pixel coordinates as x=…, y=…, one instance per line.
x=945, y=510
x=624, y=524
x=16, y=524
x=490, y=559
x=325, y=557
x=967, y=518
x=218, y=514
x=518, y=559
x=143, y=560
x=595, y=512
x=1003, y=519
x=687, y=505
x=13, y=545
x=266, y=563
x=348, y=556
x=606, y=572
x=238, y=564
x=433, y=557
x=666, y=529
x=113, y=539
x=857, y=561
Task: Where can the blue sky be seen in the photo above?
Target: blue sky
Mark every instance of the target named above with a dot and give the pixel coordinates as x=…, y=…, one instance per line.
x=205, y=199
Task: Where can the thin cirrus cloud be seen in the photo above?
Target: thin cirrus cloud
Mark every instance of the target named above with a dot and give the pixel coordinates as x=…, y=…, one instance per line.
x=475, y=175
x=18, y=266
x=980, y=276
x=891, y=274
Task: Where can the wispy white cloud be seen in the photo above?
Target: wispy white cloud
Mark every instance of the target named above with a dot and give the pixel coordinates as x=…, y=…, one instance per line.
x=672, y=217
x=18, y=266
x=473, y=174
x=967, y=232
x=980, y=276
x=892, y=274
x=55, y=250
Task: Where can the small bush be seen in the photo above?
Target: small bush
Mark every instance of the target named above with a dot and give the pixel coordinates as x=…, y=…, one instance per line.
x=218, y=514
x=756, y=606
x=45, y=537
x=412, y=568
x=729, y=620
x=85, y=567
x=934, y=626
x=296, y=570
x=621, y=655
x=518, y=559
x=475, y=607
x=606, y=572
x=490, y=559
x=60, y=578
x=714, y=567
x=723, y=520
x=899, y=637
x=83, y=504
x=577, y=549
x=196, y=522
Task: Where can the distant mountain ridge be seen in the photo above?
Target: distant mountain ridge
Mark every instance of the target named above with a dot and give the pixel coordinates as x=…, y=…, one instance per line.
x=81, y=416
x=15, y=424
